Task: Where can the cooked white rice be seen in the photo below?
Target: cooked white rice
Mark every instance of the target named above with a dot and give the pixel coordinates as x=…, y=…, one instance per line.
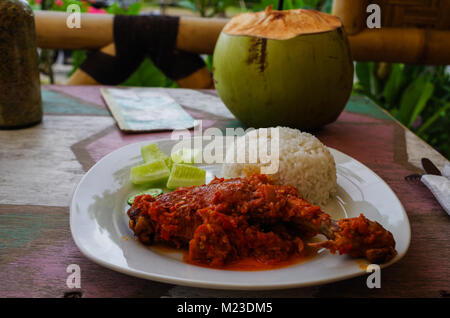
x=304, y=162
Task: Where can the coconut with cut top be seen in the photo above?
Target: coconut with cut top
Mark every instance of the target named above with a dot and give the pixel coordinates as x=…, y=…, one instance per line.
x=290, y=68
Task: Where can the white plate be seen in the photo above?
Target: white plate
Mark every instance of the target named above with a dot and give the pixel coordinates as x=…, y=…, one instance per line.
x=99, y=227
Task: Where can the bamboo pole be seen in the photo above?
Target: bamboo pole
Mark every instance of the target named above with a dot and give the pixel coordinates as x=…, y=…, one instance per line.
x=52, y=32
x=197, y=35
x=351, y=13
x=412, y=45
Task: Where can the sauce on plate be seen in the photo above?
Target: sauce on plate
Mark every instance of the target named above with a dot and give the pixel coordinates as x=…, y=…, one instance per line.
x=244, y=264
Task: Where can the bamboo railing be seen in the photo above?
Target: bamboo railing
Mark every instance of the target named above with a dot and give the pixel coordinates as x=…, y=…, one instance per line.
x=199, y=35
x=196, y=35
x=402, y=38
x=405, y=36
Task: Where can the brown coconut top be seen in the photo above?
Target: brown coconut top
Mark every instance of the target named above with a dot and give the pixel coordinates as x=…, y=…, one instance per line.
x=281, y=25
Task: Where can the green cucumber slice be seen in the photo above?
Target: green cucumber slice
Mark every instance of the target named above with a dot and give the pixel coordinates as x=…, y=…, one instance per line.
x=169, y=163
x=152, y=173
x=154, y=192
x=183, y=175
x=152, y=153
x=185, y=155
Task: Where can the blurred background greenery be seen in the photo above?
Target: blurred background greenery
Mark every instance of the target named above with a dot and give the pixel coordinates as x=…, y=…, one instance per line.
x=416, y=95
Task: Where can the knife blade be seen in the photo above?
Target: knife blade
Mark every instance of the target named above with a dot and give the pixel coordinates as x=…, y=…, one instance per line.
x=430, y=167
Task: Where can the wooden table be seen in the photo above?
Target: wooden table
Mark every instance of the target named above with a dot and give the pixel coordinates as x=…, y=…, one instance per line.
x=40, y=166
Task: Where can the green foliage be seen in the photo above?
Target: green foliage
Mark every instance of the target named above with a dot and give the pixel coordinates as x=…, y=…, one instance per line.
x=414, y=99
x=207, y=8
x=209, y=62
x=417, y=95
x=210, y=8
x=63, y=4
x=57, y=5
x=78, y=57
x=133, y=9
x=150, y=76
x=322, y=5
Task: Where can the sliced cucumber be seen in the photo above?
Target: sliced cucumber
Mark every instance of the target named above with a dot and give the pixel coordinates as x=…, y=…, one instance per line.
x=152, y=153
x=169, y=163
x=185, y=155
x=154, y=192
x=151, y=173
x=183, y=175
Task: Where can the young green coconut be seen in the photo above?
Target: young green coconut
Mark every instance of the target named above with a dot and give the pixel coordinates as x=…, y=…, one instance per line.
x=290, y=68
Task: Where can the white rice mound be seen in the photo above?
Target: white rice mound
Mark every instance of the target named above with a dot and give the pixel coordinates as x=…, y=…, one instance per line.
x=304, y=162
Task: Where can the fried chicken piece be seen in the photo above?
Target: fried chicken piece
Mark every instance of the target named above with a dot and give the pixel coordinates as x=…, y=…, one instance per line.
x=222, y=239
x=229, y=219
x=360, y=237
x=218, y=240
x=161, y=221
x=173, y=216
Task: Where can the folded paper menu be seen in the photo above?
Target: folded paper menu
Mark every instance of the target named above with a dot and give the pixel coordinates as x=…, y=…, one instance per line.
x=141, y=110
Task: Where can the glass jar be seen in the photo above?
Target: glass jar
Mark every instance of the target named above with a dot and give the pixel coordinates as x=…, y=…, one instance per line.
x=20, y=92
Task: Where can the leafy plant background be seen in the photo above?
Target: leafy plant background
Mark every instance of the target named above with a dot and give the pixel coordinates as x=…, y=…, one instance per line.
x=416, y=95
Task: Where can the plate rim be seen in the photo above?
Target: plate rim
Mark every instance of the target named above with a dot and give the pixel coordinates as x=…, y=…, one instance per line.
x=223, y=285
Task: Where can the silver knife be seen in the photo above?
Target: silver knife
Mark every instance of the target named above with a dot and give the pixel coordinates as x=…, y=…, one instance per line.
x=438, y=185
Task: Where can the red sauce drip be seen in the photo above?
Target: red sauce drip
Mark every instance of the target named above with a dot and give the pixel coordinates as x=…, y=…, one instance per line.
x=245, y=264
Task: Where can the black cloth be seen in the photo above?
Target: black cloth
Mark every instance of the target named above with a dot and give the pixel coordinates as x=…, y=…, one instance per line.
x=135, y=38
